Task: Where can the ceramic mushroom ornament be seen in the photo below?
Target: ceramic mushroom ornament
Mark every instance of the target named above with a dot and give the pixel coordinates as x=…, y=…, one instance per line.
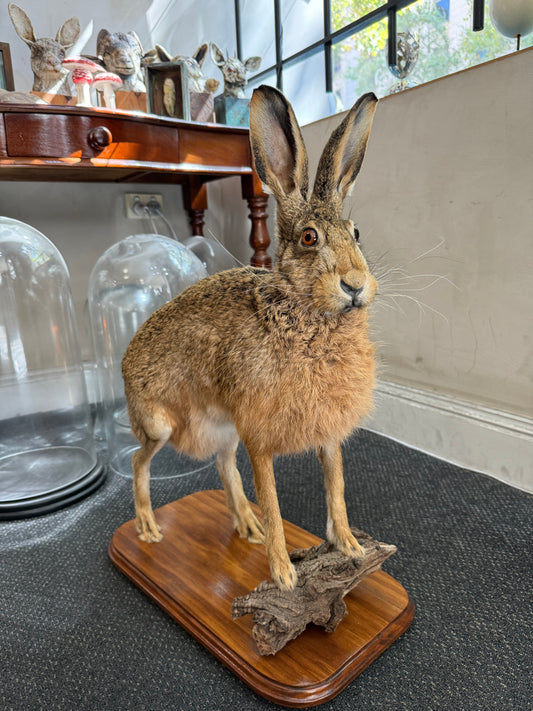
x=82, y=76
x=107, y=82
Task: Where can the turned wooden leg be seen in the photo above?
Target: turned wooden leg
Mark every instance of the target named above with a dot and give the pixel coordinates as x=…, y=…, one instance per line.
x=259, y=238
x=196, y=221
x=195, y=202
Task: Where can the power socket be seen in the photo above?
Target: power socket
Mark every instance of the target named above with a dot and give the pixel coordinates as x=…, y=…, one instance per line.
x=132, y=199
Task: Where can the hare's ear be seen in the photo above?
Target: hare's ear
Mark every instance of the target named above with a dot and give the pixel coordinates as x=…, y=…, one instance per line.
x=161, y=54
x=216, y=55
x=252, y=63
x=68, y=33
x=137, y=44
x=200, y=53
x=22, y=23
x=343, y=155
x=277, y=144
x=101, y=42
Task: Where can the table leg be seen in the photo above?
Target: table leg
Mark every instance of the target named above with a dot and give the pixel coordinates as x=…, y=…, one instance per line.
x=259, y=238
x=195, y=202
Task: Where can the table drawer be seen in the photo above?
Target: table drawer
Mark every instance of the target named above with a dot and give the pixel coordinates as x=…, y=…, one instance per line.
x=63, y=136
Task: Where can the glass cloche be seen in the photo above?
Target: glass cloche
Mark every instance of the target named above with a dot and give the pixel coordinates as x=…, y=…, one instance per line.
x=131, y=280
x=213, y=255
x=47, y=453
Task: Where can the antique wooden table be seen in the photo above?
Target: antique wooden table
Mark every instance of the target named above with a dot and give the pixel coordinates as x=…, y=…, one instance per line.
x=65, y=143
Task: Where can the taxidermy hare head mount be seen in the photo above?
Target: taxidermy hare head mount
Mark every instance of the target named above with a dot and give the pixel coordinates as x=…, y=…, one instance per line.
x=234, y=71
x=197, y=82
x=46, y=54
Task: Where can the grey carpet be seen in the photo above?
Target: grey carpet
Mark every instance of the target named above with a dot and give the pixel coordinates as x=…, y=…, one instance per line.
x=76, y=634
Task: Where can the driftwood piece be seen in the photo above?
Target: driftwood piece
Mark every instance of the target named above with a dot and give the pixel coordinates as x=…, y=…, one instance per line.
x=325, y=576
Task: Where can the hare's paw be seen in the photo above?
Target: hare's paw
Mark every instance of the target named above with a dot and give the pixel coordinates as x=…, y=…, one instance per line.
x=283, y=573
x=347, y=543
x=248, y=526
x=147, y=528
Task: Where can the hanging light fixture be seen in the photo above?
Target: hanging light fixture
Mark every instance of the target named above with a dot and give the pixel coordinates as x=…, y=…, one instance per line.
x=512, y=18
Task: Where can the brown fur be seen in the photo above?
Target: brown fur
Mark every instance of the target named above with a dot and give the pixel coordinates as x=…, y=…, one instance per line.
x=280, y=360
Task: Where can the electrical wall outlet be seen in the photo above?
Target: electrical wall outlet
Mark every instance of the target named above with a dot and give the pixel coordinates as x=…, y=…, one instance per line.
x=132, y=199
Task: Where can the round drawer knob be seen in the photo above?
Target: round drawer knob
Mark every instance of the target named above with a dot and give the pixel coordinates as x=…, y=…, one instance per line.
x=99, y=137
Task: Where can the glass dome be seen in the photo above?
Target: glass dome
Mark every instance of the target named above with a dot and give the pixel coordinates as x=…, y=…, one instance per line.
x=47, y=453
x=131, y=280
x=213, y=255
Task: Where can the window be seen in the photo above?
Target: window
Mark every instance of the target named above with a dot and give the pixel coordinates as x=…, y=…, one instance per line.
x=323, y=54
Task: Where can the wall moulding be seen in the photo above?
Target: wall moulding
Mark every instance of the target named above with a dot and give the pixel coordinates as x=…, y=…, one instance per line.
x=496, y=443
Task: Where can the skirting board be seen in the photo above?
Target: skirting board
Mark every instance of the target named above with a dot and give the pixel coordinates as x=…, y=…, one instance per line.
x=492, y=442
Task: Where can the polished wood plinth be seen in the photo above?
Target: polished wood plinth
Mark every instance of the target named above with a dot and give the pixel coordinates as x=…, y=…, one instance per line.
x=201, y=565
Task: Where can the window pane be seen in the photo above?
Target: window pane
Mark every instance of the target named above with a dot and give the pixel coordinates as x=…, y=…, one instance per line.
x=269, y=79
x=257, y=30
x=303, y=84
x=360, y=65
x=303, y=24
x=443, y=31
x=343, y=12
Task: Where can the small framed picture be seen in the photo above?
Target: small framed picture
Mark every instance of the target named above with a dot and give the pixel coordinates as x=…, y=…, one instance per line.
x=6, y=68
x=167, y=90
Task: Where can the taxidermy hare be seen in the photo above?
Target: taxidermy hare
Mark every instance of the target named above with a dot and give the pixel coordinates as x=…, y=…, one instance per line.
x=197, y=82
x=47, y=54
x=280, y=360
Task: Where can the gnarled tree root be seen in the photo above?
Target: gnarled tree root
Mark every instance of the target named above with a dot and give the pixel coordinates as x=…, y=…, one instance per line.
x=325, y=576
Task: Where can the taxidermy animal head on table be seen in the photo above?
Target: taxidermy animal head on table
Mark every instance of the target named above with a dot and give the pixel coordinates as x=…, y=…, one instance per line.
x=234, y=71
x=280, y=360
x=122, y=54
x=47, y=54
x=197, y=82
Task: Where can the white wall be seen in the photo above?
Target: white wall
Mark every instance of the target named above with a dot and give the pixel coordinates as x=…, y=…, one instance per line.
x=446, y=191
x=449, y=175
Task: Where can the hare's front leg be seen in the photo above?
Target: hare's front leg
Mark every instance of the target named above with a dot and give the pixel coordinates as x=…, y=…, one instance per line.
x=282, y=570
x=338, y=529
x=244, y=520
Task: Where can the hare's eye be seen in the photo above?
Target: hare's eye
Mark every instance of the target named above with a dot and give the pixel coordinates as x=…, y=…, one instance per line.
x=356, y=234
x=309, y=237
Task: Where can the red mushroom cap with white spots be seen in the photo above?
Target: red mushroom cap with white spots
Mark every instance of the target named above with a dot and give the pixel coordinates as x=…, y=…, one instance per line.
x=103, y=78
x=72, y=63
x=82, y=76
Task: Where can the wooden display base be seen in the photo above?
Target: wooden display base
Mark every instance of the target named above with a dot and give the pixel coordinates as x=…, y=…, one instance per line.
x=201, y=565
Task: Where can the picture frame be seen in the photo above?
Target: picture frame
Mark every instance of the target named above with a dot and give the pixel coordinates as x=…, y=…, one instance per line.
x=6, y=68
x=167, y=90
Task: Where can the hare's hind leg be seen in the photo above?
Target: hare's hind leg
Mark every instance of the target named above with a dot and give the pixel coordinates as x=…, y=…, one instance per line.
x=338, y=529
x=244, y=520
x=145, y=522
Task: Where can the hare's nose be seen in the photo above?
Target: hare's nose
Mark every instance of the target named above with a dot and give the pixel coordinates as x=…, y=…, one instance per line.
x=352, y=291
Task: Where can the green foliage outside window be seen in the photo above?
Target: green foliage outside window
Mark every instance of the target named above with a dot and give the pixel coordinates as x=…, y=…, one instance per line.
x=446, y=45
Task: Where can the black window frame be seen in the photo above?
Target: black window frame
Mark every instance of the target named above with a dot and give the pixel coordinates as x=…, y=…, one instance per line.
x=388, y=9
